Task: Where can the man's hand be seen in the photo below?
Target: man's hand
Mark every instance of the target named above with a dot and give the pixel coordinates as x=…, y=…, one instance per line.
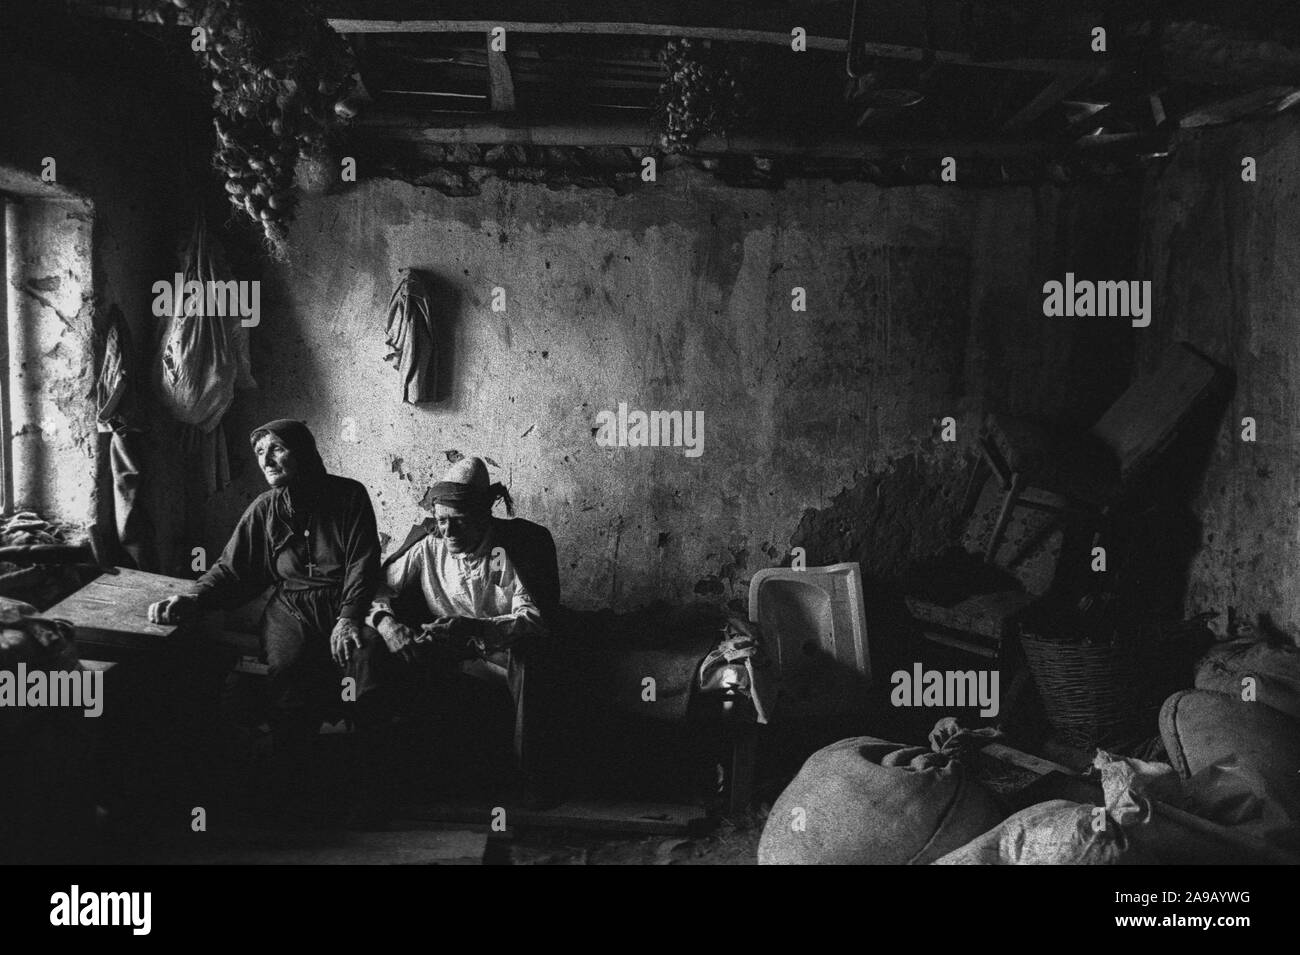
x=454, y=631
x=175, y=609
x=346, y=637
x=399, y=638
x=459, y=637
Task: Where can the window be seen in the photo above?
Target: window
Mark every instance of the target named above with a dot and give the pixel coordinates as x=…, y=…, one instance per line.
x=6, y=407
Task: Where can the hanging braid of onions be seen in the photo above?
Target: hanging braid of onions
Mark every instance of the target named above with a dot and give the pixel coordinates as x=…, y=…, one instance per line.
x=281, y=79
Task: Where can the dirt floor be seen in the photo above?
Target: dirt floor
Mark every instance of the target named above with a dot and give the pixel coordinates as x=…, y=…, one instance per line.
x=726, y=845
x=436, y=825
x=416, y=842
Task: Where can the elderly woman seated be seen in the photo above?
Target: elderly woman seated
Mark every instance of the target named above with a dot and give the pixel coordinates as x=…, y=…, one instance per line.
x=312, y=537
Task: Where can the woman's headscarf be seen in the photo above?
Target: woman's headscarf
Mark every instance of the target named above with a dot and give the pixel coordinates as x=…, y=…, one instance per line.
x=294, y=436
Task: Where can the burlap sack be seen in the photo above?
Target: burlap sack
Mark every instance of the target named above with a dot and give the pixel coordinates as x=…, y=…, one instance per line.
x=1201, y=728
x=1269, y=672
x=848, y=806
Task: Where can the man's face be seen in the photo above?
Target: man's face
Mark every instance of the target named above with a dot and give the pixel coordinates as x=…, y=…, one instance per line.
x=462, y=530
x=279, y=465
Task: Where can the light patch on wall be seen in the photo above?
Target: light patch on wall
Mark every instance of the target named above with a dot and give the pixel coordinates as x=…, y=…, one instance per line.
x=51, y=357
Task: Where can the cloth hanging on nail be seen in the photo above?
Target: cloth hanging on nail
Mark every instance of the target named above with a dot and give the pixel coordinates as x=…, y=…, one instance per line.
x=202, y=358
x=410, y=335
x=115, y=399
x=135, y=530
x=118, y=413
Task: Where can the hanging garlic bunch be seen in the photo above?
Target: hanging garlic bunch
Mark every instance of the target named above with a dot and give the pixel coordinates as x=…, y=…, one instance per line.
x=700, y=95
x=280, y=80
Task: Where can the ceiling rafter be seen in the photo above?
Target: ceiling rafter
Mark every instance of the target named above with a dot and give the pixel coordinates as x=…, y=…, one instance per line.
x=484, y=130
x=834, y=44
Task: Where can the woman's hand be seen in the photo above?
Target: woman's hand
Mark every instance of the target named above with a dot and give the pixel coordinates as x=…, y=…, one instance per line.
x=175, y=609
x=346, y=637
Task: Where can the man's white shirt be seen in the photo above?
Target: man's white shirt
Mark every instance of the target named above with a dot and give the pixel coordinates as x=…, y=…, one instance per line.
x=479, y=584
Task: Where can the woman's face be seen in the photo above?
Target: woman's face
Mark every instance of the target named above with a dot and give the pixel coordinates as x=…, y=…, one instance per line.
x=279, y=465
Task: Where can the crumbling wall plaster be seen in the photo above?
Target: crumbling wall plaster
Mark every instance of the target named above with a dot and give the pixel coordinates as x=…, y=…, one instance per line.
x=921, y=303
x=118, y=144
x=1223, y=254
x=51, y=361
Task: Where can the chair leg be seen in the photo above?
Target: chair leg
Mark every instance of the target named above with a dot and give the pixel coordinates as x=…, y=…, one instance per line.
x=1004, y=517
x=744, y=750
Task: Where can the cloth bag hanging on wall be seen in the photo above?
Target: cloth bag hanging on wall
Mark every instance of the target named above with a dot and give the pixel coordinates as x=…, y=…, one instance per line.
x=410, y=336
x=202, y=360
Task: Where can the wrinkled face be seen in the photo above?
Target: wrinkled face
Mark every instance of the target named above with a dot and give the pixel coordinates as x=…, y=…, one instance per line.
x=279, y=465
x=463, y=530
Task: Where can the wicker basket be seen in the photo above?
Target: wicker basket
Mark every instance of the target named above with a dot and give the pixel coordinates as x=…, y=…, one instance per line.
x=1097, y=694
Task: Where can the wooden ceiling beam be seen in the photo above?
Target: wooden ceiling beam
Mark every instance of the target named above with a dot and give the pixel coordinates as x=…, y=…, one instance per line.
x=584, y=27
x=822, y=31
x=491, y=130
x=501, y=85
x=832, y=44
x=1062, y=86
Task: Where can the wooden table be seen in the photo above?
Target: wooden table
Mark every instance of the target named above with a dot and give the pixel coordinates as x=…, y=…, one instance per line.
x=111, y=613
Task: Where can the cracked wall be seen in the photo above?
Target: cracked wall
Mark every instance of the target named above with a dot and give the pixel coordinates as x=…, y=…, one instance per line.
x=1222, y=253
x=922, y=302
x=117, y=141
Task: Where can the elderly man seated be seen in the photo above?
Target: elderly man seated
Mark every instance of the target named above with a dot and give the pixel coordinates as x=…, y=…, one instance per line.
x=474, y=589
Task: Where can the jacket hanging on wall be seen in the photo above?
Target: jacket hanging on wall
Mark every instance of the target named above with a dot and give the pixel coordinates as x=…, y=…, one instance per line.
x=119, y=414
x=410, y=335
